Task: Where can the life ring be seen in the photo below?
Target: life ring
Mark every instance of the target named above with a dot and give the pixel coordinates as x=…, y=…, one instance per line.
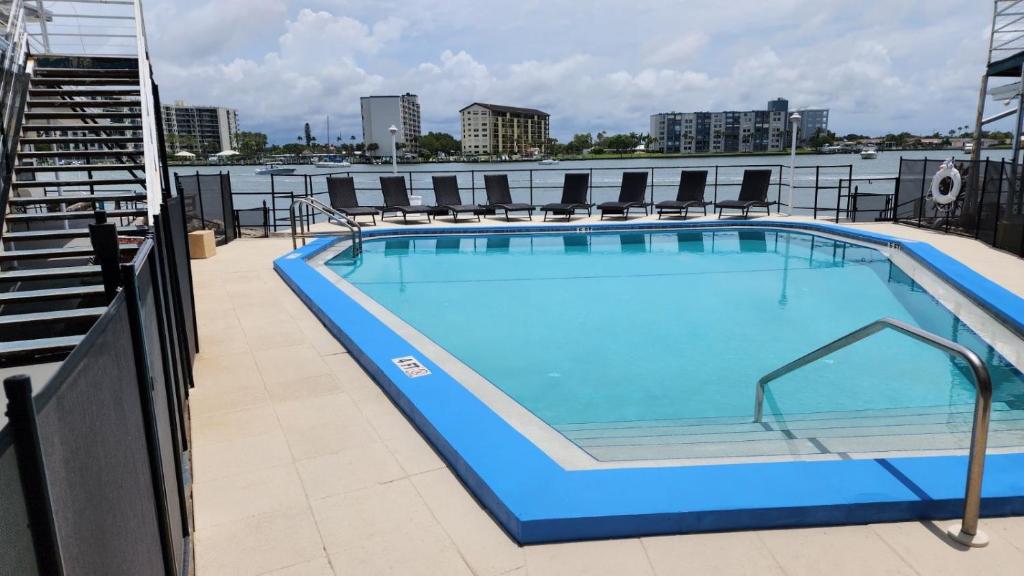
x=947, y=170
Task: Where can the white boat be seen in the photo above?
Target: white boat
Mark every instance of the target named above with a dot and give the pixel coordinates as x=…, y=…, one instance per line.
x=274, y=169
x=869, y=154
x=548, y=161
x=333, y=164
x=968, y=147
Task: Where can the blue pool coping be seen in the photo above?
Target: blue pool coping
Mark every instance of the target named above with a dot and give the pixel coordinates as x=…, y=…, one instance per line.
x=537, y=501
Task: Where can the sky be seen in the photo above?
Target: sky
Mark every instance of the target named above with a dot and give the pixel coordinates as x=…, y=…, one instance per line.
x=880, y=66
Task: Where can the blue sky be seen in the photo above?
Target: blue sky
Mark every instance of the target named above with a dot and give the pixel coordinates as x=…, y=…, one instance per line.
x=880, y=66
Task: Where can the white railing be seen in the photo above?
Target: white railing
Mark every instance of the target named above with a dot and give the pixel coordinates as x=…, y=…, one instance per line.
x=150, y=117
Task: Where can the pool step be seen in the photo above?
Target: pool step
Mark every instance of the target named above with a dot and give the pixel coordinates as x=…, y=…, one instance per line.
x=835, y=434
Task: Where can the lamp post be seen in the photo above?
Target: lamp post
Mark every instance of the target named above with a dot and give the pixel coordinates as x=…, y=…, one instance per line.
x=795, y=121
x=394, y=149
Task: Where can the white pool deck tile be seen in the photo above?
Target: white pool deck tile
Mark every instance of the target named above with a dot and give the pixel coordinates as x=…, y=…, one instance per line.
x=303, y=467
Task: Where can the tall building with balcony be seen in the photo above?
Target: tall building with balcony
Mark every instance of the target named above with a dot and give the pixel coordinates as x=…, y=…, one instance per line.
x=812, y=122
x=494, y=130
x=381, y=113
x=200, y=130
x=729, y=131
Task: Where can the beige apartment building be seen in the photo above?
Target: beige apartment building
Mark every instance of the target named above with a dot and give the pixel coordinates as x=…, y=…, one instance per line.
x=493, y=130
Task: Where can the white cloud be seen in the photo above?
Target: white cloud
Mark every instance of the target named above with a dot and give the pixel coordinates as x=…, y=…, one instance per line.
x=879, y=65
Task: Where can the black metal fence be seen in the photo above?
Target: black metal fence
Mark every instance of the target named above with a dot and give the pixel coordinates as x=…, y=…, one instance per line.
x=989, y=206
x=93, y=462
x=208, y=204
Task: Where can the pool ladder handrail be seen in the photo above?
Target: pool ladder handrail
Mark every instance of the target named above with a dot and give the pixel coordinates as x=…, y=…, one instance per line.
x=300, y=228
x=967, y=533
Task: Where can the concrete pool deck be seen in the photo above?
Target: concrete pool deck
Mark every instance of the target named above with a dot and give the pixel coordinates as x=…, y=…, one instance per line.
x=303, y=466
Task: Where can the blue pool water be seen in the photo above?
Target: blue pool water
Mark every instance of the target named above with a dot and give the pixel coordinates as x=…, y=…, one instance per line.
x=585, y=329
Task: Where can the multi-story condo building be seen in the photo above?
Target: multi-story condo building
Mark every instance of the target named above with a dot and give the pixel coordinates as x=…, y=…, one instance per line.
x=199, y=129
x=381, y=113
x=812, y=122
x=730, y=131
x=490, y=129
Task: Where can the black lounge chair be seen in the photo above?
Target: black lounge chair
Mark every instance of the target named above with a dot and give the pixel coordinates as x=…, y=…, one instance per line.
x=448, y=201
x=396, y=199
x=499, y=196
x=342, y=192
x=690, y=195
x=574, y=197
x=631, y=195
x=753, y=193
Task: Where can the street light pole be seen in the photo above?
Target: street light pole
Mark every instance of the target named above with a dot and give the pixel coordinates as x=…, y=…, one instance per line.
x=394, y=149
x=795, y=120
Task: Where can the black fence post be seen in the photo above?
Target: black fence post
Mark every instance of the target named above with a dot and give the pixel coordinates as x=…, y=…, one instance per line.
x=273, y=202
x=103, y=236
x=21, y=413
x=199, y=197
x=531, y=186
x=839, y=199
x=920, y=201
x=999, y=203
x=715, y=199
x=266, y=224
x=981, y=199
x=472, y=185
x=144, y=377
x=817, y=175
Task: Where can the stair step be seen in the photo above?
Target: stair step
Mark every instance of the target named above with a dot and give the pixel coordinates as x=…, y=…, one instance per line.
x=51, y=316
x=38, y=347
x=60, y=183
x=37, y=103
x=46, y=216
x=86, y=72
x=82, y=140
x=48, y=273
x=25, y=155
x=83, y=92
x=78, y=167
x=44, y=253
x=10, y=320
x=75, y=115
x=72, y=233
x=65, y=81
x=50, y=294
x=72, y=199
x=80, y=128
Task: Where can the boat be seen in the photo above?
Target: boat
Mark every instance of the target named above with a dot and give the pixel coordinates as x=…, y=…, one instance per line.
x=548, y=161
x=968, y=147
x=333, y=162
x=869, y=154
x=274, y=170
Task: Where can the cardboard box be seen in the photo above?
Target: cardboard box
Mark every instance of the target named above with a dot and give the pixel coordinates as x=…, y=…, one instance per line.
x=202, y=244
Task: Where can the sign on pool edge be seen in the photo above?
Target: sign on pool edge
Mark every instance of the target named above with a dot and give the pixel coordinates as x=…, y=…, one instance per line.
x=412, y=367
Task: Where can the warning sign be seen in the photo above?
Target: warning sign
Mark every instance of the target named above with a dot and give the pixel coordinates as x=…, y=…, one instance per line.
x=411, y=366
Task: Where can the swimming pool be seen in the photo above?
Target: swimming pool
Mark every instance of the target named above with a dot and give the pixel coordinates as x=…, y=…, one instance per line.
x=566, y=358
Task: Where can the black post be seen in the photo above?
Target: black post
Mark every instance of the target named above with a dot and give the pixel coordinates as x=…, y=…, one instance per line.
x=817, y=174
x=999, y=201
x=715, y=200
x=981, y=198
x=144, y=376
x=273, y=202
x=266, y=224
x=21, y=413
x=199, y=196
x=531, y=186
x=103, y=236
x=920, y=201
x=472, y=184
x=839, y=199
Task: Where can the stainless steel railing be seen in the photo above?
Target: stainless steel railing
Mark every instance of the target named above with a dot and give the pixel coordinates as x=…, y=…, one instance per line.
x=300, y=223
x=967, y=533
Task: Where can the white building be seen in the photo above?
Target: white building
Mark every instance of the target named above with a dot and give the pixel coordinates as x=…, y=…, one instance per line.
x=490, y=129
x=199, y=129
x=382, y=112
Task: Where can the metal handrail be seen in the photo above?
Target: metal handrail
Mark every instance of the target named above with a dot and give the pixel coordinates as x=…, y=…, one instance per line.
x=299, y=227
x=150, y=116
x=968, y=531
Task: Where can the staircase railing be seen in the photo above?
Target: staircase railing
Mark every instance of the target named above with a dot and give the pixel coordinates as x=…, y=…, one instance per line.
x=13, y=94
x=300, y=223
x=150, y=118
x=967, y=533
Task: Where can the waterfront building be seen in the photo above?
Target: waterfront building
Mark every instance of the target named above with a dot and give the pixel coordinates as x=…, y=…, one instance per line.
x=199, y=129
x=731, y=131
x=491, y=129
x=381, y=113
x=812, y=122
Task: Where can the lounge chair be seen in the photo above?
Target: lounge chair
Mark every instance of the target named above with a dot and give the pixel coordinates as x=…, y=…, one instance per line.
x=574, y=197
x=631, y=195
x=690, y=195
x=448, y=201
x=342, y=192
x=753, y=193
x=499, y=196
x=396, y=199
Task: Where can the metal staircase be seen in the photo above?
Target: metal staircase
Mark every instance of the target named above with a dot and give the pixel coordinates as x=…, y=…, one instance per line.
x=83, y=125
